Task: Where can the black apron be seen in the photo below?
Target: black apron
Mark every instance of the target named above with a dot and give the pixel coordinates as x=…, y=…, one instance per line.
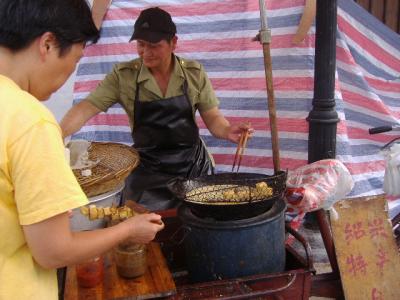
x=168, y=141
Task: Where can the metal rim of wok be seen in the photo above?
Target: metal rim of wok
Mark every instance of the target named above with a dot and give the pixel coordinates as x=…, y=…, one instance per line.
x=181, y=188
x=231, y=212
x=235, y=210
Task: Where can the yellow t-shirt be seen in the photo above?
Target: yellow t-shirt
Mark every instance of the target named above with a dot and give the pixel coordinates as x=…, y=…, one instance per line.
x=36, y=183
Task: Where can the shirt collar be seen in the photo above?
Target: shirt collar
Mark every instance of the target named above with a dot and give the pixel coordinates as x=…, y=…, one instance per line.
x=145, y=74
x=8, y=81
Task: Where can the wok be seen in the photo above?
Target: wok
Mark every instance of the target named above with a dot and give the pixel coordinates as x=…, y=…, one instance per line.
x=205, y=195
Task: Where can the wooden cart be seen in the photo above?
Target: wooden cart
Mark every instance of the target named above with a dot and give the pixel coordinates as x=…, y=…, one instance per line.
x=167, y=278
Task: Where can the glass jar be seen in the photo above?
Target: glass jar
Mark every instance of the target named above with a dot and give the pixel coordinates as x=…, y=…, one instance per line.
x=130, y=259
x=91, y=272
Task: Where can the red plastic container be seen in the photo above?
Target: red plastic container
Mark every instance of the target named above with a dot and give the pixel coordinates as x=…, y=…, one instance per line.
x=90, y=273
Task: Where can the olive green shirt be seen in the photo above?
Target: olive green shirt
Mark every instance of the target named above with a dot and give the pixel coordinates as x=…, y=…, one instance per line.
x=119, y=86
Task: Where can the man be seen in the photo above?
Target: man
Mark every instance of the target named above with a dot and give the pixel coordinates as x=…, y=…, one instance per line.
x=40, y=43
x=160, y=93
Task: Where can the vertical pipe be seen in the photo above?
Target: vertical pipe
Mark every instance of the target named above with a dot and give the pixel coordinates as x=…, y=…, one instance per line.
x=323, y=117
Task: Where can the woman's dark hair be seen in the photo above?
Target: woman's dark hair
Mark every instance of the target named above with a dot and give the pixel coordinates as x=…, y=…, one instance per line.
x=22, y=21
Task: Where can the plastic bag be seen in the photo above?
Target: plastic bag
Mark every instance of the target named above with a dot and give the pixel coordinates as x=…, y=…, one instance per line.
x=317, y=185
x=391, y=179
x=79, y=155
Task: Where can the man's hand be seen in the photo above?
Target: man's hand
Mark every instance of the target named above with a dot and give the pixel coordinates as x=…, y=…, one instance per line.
x=221, y=128
x=53, y=245
x=144, y=227
x=235, y=131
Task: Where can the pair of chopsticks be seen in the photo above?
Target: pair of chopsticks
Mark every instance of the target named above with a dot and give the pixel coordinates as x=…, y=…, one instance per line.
x=240, y=150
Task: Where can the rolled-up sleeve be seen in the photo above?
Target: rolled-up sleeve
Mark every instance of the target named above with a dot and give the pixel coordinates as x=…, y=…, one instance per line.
x=207, y=97
x=107, y=93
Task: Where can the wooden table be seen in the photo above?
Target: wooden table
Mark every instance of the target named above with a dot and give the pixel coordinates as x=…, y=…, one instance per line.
x=156, y=282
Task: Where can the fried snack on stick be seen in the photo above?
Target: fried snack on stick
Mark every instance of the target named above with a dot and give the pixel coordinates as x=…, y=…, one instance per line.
x=84, y=210
x=93, y=212
x=100, y=213
x=107, y=211
x=115, y=213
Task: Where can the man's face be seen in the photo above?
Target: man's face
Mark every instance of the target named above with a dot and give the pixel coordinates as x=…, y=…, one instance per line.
x=155, y=55
x=56, y=71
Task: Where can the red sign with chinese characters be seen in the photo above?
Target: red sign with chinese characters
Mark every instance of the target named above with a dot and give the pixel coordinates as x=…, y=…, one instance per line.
x=366, y=250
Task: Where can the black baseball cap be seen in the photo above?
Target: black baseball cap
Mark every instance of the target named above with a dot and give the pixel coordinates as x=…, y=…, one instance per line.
x=153, y=25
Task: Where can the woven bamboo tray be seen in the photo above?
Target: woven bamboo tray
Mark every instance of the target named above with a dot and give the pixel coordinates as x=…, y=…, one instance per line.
x=116, y=162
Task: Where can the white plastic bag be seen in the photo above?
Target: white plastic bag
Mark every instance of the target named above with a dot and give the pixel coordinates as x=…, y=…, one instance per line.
x=391, y=181
x=318, y=185
x=79, y=155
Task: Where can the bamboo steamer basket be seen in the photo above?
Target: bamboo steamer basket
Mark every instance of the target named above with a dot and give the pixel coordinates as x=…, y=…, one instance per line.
x=116, y=162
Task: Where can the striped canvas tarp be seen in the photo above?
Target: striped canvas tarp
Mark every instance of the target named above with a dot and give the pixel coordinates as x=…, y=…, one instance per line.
x=219, y=33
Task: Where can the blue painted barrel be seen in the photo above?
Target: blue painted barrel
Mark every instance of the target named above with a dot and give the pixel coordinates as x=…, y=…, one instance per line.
x=230, y=249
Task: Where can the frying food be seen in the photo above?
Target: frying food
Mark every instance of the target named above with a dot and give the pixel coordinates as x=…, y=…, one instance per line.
x=115, y=213
x=264, y=190
x=230, y=193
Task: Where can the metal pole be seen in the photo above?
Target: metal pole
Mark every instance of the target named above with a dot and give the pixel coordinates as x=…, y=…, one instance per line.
x=265, y=39
x=323, y=118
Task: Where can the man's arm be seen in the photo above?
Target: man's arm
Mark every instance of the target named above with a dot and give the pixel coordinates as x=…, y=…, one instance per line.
x=216, y=123
x=77, y=116
x=53, y=245
x=43, y=198
x=220, y=127
x=99, y=10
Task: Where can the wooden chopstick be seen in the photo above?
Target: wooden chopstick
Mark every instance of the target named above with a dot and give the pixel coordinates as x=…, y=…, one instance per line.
x=246, y=137
x=240, y=150
x=239, y=146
